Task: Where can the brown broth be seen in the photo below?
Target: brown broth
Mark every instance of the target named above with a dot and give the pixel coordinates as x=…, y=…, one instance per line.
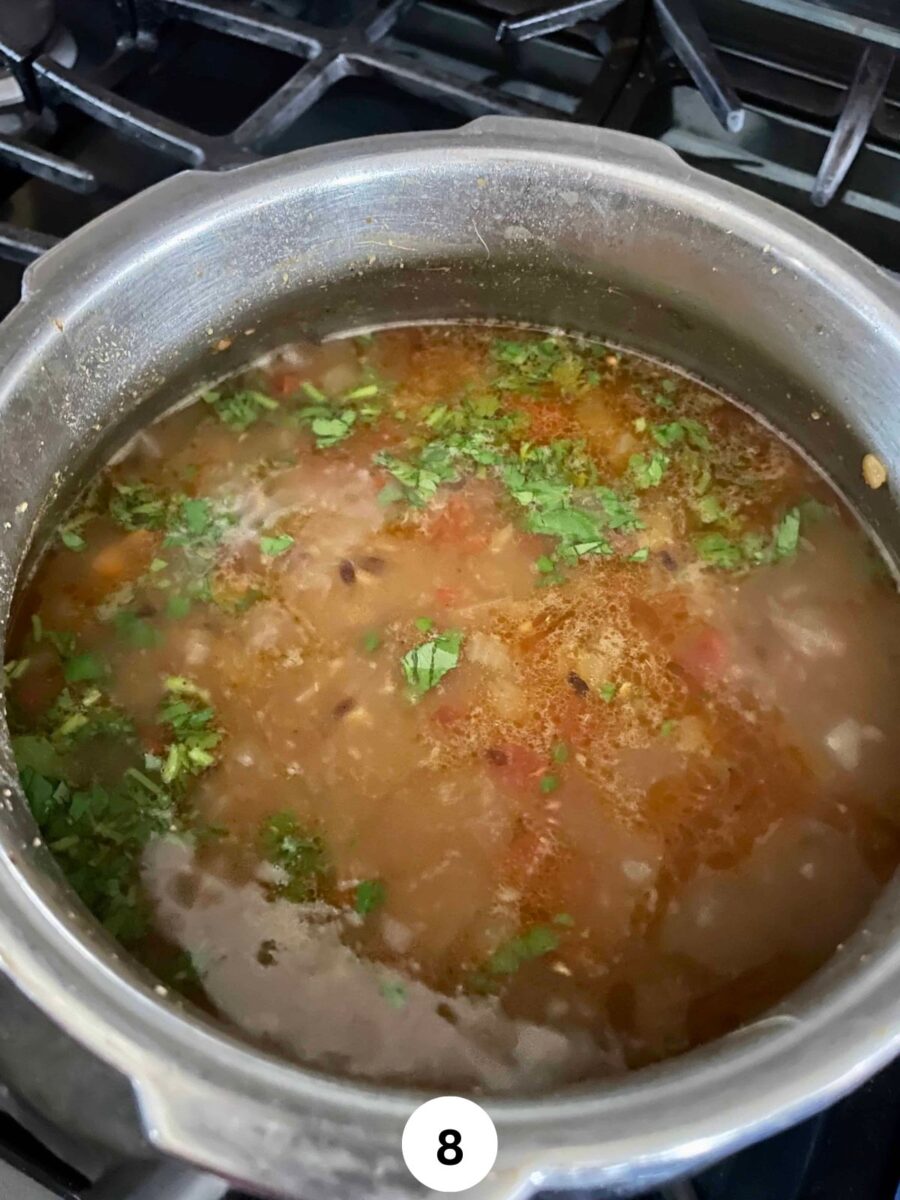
x=654, y=790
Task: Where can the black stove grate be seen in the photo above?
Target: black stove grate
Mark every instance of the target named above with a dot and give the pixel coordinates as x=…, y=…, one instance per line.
x=590, y=60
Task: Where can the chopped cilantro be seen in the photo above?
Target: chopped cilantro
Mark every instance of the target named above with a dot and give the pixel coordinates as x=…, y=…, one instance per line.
x=371, y=640
x=548, y=783
x=648, y=470
x=564, y=919
x=640, y=555
x=299, y=854
x=313, y=393
x=190, y=719
x=241, y=409
x=685, y=429
x=328, y=431
x=389, y=494
x=420, y=480
x=15, y=668
x=787, y=534
x=608, y=692
x=394, y=992
x=709, y=510
x=670, y=434
x=138, y=506
x=365, y=392
x=274, y=545
x=72, y=540
x=753, y=549
x=370, y=894
x=424, y=624
x=668, y=727
x=136, y=631
x=197, y=526
x=545, y=565
x=178, y=607
x=526, y=365
x=98, y=834
x=87, y=666
x=534, y=943
x=720, y=551
x=560, y=753
x=426, y=665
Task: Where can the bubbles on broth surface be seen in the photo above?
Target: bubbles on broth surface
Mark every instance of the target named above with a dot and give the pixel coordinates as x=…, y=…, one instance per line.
x=462, y=707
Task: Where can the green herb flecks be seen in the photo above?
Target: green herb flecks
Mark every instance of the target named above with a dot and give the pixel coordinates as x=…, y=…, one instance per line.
x=371, y=640
x=272, y=546
x=394, y=992
x=751, y=549
x=197, y=526
x=240, y=409
x=426, y=664
x=72, y=540
x=647, y=470
x=526, y=365
x=138, y=633
x=190, y=720
x=420, y=479
x=299, y=854
x=533, y=943
x=139, y=506
x=98, y=834
x=370, y=895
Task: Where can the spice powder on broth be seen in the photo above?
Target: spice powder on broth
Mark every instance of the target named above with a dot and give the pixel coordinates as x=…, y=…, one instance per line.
x=467, y=708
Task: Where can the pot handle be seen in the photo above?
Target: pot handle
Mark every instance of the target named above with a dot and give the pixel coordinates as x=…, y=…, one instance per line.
x=157, y=1181
x=582, y=139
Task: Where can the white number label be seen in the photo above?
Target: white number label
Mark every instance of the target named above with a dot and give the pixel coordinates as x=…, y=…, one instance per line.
x=449, y=1144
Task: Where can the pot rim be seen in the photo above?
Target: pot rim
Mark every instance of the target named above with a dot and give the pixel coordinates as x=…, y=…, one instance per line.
x=182, y=1067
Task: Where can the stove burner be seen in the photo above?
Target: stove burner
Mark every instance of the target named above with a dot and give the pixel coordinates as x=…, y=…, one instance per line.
x=58, y=45
x=25, y=25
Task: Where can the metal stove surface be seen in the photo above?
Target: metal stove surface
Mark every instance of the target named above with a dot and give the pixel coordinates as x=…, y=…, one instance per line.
x=796, y=99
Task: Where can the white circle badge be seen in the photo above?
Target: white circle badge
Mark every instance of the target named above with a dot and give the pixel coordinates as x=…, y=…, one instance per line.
x=449, y=1144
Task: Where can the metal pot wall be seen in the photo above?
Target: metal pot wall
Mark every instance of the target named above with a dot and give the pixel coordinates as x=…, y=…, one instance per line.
x=529, y=221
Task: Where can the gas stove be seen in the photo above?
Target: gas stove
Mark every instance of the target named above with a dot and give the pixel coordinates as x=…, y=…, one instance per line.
x=796, y=99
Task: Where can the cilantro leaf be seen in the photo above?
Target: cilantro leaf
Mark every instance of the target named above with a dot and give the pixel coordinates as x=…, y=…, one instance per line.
x=720, y=551
x=370, y=894
x=299, y=854
x=426, y=665
x=787, y=534
x=72, y=540
x=274, y=545
x=648, y=470
x=138, y=506
x=533, y=943
x=136, y=631
x=85, y=666
x=241, y=409
x=190, y=719
x=328, y=431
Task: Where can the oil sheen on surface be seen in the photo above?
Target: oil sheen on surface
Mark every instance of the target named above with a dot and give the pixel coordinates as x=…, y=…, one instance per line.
x=465, y=707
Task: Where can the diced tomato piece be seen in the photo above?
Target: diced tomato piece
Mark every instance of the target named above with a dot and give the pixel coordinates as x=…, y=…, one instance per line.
x=705, y=655
x=456, y=525
x=518, y=768
x=126, y=558
x=285, y=383
x=446, y=597
x=447, y=715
